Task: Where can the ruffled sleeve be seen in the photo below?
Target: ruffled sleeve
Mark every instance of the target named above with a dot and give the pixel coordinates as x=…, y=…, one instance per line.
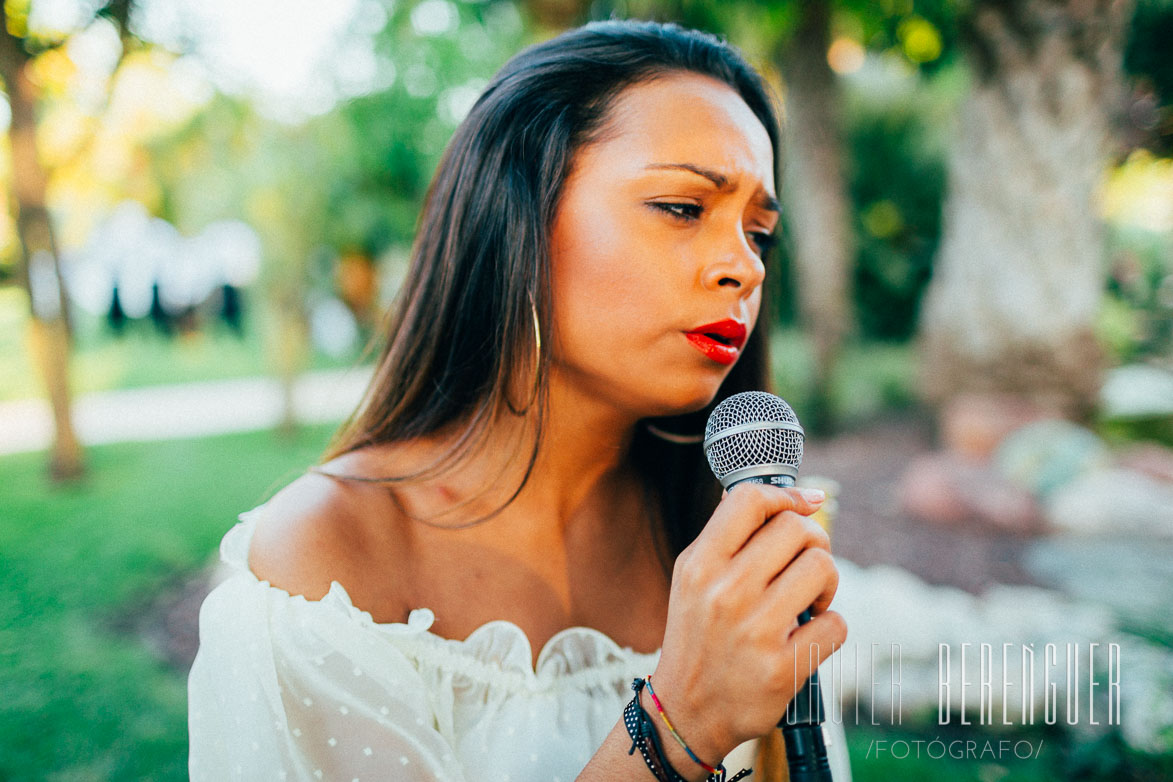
x=285, y=688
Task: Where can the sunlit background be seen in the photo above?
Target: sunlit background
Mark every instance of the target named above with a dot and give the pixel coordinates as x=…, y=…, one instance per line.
x=212, y=202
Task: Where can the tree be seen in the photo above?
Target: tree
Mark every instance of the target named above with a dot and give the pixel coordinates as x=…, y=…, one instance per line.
x=1020, y=274
x=39, y=262
x=39, y=265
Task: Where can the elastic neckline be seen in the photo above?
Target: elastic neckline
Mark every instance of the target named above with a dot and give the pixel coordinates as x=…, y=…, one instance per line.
x=463, y=653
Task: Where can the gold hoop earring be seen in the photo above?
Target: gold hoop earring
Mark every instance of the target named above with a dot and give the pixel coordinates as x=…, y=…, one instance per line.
x=537, y=384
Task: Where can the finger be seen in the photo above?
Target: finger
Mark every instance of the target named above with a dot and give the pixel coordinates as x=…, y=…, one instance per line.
x=814, y=642
x=775, y=545
x=746, y=508
x=809, y=582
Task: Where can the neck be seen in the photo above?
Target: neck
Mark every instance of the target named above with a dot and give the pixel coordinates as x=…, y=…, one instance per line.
x=583, y=451
x=578, y=478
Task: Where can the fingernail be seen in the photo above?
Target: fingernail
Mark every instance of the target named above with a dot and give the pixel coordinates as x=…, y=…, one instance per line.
x=813, y=496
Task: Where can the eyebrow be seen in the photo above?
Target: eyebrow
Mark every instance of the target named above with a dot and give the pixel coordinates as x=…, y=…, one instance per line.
x=765, y=201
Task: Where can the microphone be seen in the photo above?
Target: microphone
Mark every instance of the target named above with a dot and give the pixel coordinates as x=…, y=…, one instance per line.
x=755, y=437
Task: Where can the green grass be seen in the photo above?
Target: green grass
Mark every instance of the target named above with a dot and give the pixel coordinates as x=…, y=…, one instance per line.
x=1050, y=754
x=78, y=699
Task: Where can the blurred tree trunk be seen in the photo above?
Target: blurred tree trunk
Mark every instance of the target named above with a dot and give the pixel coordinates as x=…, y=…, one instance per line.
x=1020, y=274
x=289, y=228
x=292, y=349
x=40, y=269
x=815, y=191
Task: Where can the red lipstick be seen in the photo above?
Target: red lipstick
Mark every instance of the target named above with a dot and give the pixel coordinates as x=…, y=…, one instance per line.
x=720, y=341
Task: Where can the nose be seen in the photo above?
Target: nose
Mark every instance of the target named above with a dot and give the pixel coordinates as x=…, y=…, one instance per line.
x=737, y=266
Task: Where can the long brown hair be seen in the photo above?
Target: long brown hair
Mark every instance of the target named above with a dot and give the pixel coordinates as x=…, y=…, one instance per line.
x=465, y=327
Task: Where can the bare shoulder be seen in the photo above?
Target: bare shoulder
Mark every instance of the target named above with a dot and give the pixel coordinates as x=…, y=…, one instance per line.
x=318, y=530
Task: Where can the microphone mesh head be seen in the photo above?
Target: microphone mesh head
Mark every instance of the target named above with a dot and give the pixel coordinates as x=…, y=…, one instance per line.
x=754, y=446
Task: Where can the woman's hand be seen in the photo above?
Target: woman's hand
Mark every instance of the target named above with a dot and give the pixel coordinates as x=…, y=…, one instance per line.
x=733, y=654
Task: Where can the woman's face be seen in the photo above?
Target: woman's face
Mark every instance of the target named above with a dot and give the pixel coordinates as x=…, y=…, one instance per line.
x=656, y=247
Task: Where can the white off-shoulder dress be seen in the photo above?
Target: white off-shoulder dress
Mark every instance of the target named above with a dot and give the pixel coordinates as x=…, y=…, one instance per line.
x=285, y=688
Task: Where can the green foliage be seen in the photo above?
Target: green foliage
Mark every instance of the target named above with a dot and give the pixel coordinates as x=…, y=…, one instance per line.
x=1136, y=320
x=1148, y=60
x=387, y=144
x=894, y=123
x=921, y=32
x=353, y=180
x=350, y=180
x=1127, y=431
x=79, y=699
x=897, y=186
x=203, y=168
x=869, y=378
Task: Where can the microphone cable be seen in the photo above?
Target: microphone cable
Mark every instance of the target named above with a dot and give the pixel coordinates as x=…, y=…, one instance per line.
x=802, y=730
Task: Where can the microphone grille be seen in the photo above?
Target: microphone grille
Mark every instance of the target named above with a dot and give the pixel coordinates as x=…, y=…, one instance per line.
x=750, y=429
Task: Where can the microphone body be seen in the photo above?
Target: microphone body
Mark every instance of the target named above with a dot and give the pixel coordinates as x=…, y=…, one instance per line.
x=754, y=437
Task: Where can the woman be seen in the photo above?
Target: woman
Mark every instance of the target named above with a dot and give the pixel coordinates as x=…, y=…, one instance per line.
x=518, y=519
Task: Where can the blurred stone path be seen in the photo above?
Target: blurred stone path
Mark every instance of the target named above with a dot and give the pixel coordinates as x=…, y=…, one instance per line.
x=184, y=410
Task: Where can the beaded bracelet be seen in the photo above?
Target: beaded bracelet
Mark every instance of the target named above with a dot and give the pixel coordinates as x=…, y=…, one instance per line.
x=641, y=727
x=675, y=735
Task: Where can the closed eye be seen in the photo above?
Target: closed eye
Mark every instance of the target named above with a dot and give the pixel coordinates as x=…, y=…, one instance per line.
x=684, y=212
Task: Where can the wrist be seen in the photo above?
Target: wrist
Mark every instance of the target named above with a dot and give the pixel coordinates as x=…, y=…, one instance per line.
x=679, y=760
x=688, y=741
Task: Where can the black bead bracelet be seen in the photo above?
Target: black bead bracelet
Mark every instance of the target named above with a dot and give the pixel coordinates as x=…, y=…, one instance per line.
x=641, y=728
